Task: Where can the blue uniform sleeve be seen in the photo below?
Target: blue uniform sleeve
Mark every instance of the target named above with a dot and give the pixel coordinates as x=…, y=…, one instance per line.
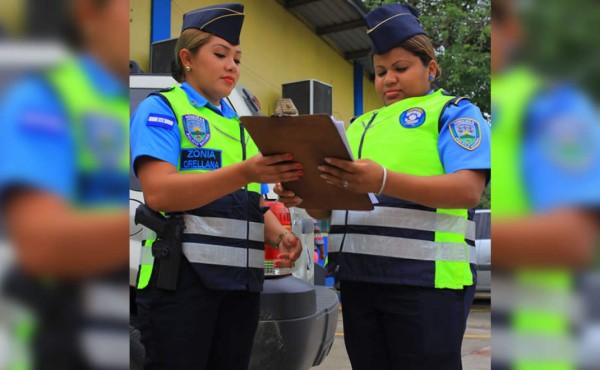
x=464, y=141
x=36, y=145
x=561, y=151
x=154, y=132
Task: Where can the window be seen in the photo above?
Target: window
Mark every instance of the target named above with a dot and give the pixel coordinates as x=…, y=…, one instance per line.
x=482, y=224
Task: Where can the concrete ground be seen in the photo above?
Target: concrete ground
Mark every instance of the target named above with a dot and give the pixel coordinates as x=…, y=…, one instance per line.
x=476, y=350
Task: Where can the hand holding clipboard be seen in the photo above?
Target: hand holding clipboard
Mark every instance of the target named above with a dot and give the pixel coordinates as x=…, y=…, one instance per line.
x=310, y=138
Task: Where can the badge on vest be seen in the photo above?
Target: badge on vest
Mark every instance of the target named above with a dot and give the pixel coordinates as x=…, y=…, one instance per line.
x=105, y=139
x=196, y=129
x=466, y=132
x=412, y=118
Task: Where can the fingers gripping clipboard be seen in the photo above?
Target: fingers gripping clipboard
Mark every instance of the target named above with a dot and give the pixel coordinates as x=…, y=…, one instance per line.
x=310, y=138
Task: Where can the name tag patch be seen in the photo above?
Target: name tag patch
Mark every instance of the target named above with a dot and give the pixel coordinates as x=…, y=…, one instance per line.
x=200, y=159
x=160, y=121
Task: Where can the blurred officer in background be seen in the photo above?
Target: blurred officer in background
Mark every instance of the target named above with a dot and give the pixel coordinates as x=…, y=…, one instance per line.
x=546, y=196
x=195, y=161
x=64, y=171
x=406, y=268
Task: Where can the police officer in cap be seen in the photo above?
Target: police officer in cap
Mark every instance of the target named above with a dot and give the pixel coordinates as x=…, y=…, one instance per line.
x=406, y=268
x=64, y=168
x=193, y=158
x=545, y=132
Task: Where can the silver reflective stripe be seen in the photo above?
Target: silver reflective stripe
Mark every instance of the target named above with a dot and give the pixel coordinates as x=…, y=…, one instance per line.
x=413, y=219
x=470, y=234
x=213, y=254
x=224, y=227
x=256, y=258
x=105, y=300
x=337, y=217
x=423, y=250
x=257, y=232
x=536, y=347
x=146, y=257
x=105, y=348
x=335, y=242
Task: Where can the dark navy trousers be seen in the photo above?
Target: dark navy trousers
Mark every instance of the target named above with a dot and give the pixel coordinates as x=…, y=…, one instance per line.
x=195, y=327
x=399, y=327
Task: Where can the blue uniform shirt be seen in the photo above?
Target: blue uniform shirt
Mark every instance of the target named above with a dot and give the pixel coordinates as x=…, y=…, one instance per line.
x=37, y=147
x=561, y=150
x=163, y=141
x=455, y=157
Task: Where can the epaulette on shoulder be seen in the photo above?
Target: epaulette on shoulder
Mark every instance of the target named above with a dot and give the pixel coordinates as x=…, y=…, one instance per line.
x=159, y=92
x=458, y=99
x=454, y=102
x=166, y=89
x=164, y=98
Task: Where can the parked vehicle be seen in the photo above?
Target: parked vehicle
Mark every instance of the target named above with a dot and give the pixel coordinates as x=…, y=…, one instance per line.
x=483, y=248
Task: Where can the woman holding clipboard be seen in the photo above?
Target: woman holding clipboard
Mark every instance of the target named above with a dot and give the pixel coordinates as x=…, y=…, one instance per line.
x=406, y=268
x=194, y=160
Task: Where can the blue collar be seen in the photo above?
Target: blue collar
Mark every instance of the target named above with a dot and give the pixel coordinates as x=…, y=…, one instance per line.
x=105, y=81
x=200, y=101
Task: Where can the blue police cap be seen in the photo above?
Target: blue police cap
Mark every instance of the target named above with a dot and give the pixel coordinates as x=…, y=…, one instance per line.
x=390, y=24
x=223, y=20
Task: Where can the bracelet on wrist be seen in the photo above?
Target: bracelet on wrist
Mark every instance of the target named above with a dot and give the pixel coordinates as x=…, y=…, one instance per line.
x=382, y=182
x=280, y=238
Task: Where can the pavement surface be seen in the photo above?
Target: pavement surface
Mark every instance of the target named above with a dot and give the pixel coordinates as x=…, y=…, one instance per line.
x=476, y=349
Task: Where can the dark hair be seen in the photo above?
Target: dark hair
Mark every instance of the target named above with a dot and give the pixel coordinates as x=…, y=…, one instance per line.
x=68, y=28
x=501, y=10
x=421, y=46
x=191, y=39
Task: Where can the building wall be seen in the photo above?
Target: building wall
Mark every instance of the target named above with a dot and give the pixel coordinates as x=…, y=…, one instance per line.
x=12, y=13
x=276, y=48
x=139, y=32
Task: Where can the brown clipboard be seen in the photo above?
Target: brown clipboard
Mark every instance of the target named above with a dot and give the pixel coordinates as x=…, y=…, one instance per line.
x=310, y=138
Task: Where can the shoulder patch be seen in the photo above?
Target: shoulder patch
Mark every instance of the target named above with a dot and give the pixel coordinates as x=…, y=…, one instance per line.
x=42, y=122
x=197, y=129
x=412, y=118
x=569, y=143
x=159, y=120
x=466, y=132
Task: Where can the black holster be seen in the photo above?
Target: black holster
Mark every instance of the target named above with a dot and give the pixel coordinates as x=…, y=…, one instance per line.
x=167, y=249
